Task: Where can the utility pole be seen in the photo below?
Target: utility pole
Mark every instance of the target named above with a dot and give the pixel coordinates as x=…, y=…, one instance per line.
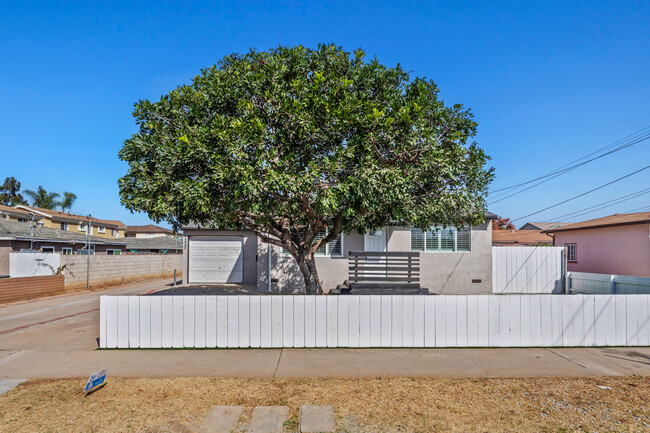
x=31, y=232
x=89, y=228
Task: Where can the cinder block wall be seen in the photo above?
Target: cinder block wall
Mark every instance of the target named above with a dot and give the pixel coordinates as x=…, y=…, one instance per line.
x=18, y=289
x=115, y=270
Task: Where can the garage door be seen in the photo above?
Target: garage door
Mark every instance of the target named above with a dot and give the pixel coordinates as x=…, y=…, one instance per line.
x=215, y=260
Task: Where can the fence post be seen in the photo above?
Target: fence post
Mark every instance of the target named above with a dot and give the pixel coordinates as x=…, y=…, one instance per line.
x=612, y=284
x=567, y=283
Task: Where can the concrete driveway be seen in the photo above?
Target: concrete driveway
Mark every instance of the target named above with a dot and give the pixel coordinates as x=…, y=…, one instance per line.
x=57, y=337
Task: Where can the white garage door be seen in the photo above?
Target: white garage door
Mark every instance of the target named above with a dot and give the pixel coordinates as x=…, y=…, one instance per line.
x=215, y=260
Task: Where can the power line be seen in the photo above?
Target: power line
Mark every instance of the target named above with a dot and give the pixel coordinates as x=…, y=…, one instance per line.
x=584, y=193
x=566, y=170
x=639, y=209
x=602, y=205
x=579, y=159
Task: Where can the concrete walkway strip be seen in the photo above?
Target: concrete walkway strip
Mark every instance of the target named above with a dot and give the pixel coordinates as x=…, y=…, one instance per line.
x=7, y=385
x=221, y=419
x=317, y=419
x=268, y=419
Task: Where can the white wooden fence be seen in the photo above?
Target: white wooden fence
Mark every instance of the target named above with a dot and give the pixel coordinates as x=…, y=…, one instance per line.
x=33, y=264
x=583, y=282
x=527, y=269
x=374, y=321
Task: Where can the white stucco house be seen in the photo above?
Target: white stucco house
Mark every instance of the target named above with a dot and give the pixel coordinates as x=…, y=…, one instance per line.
x=452, y=261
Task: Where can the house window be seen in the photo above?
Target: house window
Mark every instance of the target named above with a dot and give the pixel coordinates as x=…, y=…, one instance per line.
x=571, y=252
x=113, y=252
x=66, y=251
x=101, y=229
x=333, y=248
x=82, y=227
x=23, y=220
x=47, y=249
x=439, y=239
x=85, y=252
x=64, y=226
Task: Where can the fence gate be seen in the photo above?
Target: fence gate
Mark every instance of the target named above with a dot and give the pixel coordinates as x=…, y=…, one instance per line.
x=527, y=269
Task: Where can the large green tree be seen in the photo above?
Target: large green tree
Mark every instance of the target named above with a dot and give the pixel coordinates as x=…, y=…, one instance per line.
x=43, y=199
x=10, y=192
x=292, y=140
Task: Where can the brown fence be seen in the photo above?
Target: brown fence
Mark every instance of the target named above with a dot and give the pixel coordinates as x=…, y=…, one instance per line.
x=18, y=289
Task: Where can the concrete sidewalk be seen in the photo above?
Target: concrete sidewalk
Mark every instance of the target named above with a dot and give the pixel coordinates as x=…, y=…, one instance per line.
x=341, y=363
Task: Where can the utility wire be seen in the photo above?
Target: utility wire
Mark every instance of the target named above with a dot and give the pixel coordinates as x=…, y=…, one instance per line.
x=639, y=209
x=577, y=160
x=602, y=205
x=584, y=193
x=557, y=173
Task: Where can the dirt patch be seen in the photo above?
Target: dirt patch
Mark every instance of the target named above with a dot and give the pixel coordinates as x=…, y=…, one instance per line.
x=362, y=405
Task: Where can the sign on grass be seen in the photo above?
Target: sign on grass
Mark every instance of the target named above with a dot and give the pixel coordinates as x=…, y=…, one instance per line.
x=95, y=380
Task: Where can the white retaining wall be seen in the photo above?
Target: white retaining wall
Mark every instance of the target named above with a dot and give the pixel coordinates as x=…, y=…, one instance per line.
x=374, y=321
x=108, y=270
x=527, y=269
x=33, y=264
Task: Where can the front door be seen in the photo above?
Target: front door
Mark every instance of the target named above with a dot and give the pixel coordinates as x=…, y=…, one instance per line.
x=375, y=241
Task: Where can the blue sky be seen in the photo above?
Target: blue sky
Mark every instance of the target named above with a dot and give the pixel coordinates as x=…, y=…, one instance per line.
x=548, y=82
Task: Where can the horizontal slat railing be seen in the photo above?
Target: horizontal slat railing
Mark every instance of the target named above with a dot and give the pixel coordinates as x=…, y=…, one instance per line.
x=374, y=321
x=385, y=269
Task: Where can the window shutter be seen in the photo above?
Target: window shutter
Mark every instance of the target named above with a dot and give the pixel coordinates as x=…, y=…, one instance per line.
x=322, y=250
x=432, y=240
x=463, y=239
x=417, y=243
x=335, y=246
x=446, y=239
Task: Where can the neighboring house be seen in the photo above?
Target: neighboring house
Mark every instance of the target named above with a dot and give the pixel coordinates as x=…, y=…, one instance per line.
x=452, y=261
x=15, y=236
x=157, y=245
x=542, y=226
x=148, y=231
x=617, y=244
x=520, y=238
x=65, y=221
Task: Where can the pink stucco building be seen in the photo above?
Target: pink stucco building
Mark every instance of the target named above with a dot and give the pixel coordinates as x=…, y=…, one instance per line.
x=617, y=244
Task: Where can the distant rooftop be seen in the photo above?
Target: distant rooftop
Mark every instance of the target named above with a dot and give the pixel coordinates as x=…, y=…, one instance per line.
x=618, y=219
x=150, y=228
x=542, y=226
x=521, y=237
x=15, y=230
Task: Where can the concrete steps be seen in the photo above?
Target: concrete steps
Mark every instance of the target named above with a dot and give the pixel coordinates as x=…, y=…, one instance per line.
x=268, y=419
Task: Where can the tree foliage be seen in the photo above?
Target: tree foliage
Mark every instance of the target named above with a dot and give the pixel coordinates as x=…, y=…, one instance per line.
x=502, y=224
x=67, y=201
x=289, y=141
x=10, y=192
x=43, y=199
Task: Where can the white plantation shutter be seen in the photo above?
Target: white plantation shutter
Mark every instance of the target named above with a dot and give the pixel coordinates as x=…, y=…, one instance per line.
x=463, y=239
x=417, y=243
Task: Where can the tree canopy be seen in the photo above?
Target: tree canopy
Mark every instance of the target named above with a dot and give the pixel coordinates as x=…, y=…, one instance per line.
x=10, y=192
x=67, y=201
x=43, y=199
x=291, y=141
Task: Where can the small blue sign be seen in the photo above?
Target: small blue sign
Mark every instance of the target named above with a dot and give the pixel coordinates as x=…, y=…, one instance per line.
x=96, y=379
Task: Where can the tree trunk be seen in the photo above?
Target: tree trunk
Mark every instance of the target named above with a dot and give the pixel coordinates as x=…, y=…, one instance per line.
x=307, y=266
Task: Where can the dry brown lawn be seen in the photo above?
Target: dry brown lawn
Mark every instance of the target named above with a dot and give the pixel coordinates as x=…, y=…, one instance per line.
x=362, y=405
